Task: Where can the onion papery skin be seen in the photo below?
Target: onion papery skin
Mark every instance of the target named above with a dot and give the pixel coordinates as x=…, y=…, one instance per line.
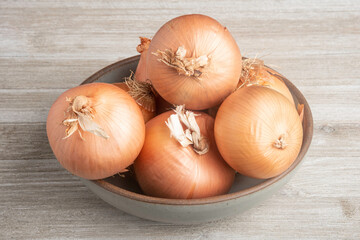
x=146, y=114
x=248, y=124
x=96, y=157
x=270, y=79
x=166, y=169
x=201, y=36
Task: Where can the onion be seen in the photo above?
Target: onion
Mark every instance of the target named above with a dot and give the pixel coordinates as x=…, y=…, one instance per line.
x=143, y=95
x=195, y=61
x=254, y=72
x=95, y=130
x=186, y=165
x=142, y=48
x=258, y=132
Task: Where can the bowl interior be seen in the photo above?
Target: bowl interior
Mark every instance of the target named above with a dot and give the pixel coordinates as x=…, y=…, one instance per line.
x=126, y=184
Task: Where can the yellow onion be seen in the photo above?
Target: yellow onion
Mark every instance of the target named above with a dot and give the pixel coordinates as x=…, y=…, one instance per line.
x=258, y=132
x=95, y=130
x=194, y=61
x=142, y=93
x=180, y=159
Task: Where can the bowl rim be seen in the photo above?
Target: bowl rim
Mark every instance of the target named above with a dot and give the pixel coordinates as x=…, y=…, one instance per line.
x=308, y=131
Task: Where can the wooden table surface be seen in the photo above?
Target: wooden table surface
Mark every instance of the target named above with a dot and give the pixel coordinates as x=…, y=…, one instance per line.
x=48, y=47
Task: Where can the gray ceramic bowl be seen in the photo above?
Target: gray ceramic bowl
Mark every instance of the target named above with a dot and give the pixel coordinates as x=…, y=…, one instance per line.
x=124, y=193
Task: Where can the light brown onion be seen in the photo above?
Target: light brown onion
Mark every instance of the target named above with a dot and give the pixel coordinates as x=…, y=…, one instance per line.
x=166, y=169
x=194, y=60
x=258, y=132
x=95, y=130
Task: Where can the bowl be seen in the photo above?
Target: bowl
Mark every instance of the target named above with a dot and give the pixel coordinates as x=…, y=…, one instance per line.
x=124, y=193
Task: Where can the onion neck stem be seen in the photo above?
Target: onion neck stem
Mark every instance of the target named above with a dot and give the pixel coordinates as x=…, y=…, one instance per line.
x=144, y=44
x=201, y=145
x=191, y=135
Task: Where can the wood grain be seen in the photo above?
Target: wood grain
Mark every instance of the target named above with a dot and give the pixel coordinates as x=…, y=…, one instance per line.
x=47, y=47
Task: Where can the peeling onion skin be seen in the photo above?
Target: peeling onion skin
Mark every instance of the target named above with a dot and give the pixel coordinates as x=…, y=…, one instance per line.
x=278, y=84
x=272, y=80
x=247, y=126
x=202, y=36
x=95, y=157
x=166, y=169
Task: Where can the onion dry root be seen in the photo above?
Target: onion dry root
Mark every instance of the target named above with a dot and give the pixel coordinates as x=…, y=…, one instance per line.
x=142, y=93
x=191, y=66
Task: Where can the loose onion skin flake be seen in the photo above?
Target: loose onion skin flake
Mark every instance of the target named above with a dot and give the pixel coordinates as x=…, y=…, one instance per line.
x=166, y=169
x=194, y=60
x=258, y=132
x=95, y=130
